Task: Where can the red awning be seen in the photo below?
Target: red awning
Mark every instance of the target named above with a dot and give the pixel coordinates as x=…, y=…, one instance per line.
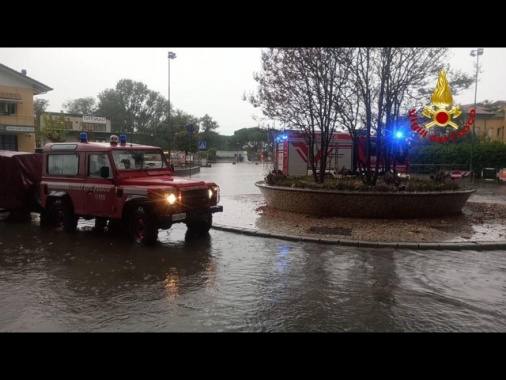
x=10, y=97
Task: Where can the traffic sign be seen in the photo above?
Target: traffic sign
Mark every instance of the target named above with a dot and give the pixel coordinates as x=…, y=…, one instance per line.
x=202, y=145
x=456, y=175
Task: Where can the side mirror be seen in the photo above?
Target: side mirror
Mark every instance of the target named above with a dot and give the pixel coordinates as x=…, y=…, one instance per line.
x=104, y=172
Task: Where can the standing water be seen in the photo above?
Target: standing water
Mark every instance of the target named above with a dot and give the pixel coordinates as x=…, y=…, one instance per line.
x=229, y=282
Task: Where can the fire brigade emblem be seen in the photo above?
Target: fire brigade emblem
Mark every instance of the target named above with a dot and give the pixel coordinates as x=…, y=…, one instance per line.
x=441, y=99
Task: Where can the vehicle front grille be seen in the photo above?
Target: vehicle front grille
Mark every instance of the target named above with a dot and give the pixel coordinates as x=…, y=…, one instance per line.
x=194, y=199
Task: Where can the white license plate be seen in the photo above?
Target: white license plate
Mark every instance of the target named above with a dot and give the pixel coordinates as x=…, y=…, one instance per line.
x=178, y=216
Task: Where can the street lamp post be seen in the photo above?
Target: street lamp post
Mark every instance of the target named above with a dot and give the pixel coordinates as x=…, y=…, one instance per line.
x=474, y=53
x=172, y=55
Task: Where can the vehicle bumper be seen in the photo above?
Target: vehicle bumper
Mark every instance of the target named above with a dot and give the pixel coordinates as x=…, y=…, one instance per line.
x=214, y=209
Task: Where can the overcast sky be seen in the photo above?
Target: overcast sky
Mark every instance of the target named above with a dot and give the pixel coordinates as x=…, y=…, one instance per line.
x=202, y=80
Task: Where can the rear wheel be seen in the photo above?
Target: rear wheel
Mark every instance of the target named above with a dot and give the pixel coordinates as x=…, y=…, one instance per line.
x=61, y=216
x=143, y=226
x=201, y=226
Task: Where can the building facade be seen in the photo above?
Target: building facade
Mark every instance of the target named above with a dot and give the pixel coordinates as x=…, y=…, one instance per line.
x=489, y=121
x=17, y=121
x=97, y=128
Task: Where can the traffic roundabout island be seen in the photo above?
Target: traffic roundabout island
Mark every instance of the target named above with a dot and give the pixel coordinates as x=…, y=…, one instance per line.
x=365, y=204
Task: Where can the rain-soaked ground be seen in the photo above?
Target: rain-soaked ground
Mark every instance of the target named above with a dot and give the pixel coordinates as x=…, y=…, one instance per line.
x=229, y=282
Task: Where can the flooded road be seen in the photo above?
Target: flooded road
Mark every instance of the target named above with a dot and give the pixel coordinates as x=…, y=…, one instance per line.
x=227, y=282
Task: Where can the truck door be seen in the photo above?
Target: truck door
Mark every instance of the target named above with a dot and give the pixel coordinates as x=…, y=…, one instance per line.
x=344, y=155
x=99, y=193
x=297, y=158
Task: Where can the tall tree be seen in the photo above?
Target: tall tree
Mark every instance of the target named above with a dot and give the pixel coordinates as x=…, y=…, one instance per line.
x=132, y=107
x=179, y=134
x=39, y=107
x=81, y=106
x=208, y=132
x=54, y=128
x=208, y=124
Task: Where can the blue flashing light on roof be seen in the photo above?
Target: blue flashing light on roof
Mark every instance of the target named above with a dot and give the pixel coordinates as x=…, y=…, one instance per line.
x=122, y=139
x=83, y=137
x=282, y=137
x=399, y=135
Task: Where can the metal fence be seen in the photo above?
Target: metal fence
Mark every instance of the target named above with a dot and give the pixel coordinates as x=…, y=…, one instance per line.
x=435, y=168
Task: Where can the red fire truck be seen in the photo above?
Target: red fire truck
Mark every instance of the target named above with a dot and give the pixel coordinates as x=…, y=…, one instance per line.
x=120, y=185
x=291, y=154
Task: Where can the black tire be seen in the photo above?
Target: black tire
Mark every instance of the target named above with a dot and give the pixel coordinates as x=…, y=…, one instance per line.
x=201, y=226
x=60, y=215
x=100, y=224
x=142, y=226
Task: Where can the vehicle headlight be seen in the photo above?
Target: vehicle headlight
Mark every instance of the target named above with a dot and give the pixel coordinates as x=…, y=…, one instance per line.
x=214, y=191
x=171, y=198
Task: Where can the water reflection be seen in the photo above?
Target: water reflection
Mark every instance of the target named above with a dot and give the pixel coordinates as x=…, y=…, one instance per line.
x=228, y=282
x=326, y=289
x=97, y=277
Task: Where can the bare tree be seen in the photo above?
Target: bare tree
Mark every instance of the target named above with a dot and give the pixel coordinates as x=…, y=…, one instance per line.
x=367, y=91
x=302, y=88
x=389, y=82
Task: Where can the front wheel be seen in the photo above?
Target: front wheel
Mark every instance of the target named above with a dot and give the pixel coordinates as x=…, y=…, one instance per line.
x=201, y=226
x=100, y=224
x=143, y=226
x=60, y=215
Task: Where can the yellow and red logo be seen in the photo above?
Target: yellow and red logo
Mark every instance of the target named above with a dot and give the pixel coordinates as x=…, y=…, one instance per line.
x=439, y=114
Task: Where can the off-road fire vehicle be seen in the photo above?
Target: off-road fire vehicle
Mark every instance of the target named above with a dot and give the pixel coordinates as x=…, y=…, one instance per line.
x=121, y=185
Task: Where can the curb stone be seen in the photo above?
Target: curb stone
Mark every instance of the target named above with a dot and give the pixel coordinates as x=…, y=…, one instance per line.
x=486, y=245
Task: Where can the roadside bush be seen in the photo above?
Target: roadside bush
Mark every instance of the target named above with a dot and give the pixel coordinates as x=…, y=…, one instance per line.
x=440, y=182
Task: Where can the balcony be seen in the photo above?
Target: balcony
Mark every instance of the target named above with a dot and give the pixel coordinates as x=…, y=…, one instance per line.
x=25, y=121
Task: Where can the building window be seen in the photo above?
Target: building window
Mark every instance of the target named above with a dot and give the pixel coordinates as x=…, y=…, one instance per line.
x=8, y=142
x=489, y=132
x=93, y=127
x=88, y=126
x=7, y=108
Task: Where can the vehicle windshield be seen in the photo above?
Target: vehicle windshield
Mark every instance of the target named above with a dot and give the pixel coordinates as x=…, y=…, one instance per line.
x=126, y=160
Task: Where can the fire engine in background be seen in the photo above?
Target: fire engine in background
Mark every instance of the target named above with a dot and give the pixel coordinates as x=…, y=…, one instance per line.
x=291, y=155
x=118, y=184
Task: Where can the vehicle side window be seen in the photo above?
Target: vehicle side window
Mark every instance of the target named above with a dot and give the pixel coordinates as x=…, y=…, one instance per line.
x=96, y=162
x=63, y=164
